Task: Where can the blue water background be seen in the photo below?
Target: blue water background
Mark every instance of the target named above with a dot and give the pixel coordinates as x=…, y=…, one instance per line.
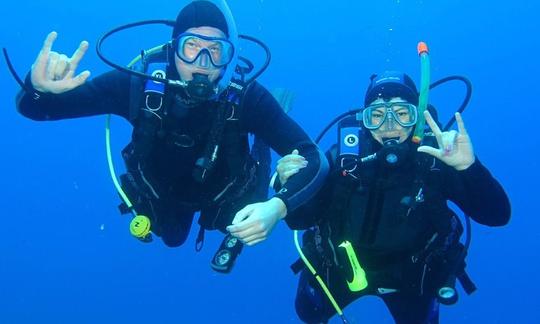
x=66, y=255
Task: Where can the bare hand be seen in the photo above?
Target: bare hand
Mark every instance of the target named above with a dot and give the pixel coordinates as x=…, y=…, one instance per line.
x=53, y=72
x=455, y=148
x=255, y=222
x=289, y=165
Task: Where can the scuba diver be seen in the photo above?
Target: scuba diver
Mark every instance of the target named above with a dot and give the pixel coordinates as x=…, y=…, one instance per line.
x=190, y=150
x=381, y=225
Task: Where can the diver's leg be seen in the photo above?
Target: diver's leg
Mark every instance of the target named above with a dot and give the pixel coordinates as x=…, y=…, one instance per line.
x=175, y=225
x=312, y=305
x=168, y=220
x=406, y=309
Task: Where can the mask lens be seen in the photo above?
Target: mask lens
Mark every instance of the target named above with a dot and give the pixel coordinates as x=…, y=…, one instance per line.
x=192, y=47
x=404, y=113
x=374, y=116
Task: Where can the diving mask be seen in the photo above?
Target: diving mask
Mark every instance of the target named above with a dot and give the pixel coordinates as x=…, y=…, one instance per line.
x=204, y=51
x=404, y=113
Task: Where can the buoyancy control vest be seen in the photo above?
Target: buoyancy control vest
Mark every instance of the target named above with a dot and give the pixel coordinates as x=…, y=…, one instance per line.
x=221, y=170
x=396, y=218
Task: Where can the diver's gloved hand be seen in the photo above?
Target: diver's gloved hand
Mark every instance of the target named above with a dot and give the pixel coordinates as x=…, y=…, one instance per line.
x=53, y=72
x=254, y=223
x=289, y=165
x=455, y=148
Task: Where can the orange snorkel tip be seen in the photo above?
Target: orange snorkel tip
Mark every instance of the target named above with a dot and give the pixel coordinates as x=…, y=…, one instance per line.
x=422, y=48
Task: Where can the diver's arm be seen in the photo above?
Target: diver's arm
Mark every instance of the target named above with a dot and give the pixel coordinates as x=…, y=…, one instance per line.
x=478, y=194
x=311, y=212
x=53, y=91
x=264, y=117
x=105, y=94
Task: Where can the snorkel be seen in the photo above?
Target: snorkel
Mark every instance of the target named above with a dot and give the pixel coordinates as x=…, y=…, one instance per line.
x=423, y=52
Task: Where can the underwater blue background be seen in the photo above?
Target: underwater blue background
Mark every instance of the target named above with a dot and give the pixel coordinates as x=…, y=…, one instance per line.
x=66, y=255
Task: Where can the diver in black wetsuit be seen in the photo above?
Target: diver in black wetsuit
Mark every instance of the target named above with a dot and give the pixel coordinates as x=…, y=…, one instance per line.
x=190, y=151
x=384, y=204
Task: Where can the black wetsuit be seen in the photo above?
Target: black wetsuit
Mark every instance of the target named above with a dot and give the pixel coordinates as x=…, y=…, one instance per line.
x=390, y=230
x=169, y=166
